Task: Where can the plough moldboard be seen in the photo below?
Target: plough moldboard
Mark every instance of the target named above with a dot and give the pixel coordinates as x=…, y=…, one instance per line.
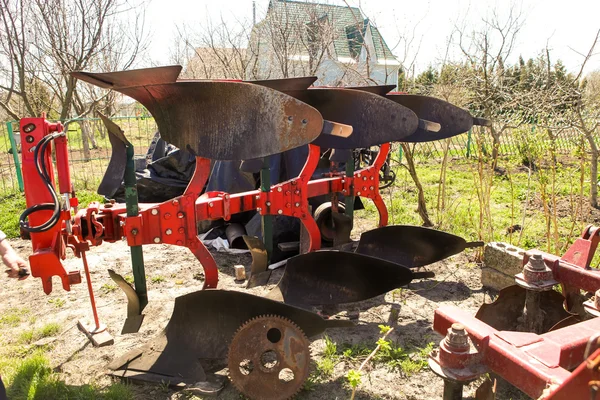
x=246, y=123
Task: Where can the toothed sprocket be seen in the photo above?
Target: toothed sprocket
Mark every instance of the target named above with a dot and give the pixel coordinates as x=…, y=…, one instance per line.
x=269, y=358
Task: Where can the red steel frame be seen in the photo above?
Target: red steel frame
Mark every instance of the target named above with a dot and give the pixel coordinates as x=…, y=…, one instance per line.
x=534, y=363
x=174, y=221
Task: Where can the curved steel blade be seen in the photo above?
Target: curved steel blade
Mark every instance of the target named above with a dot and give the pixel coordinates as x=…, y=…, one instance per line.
x=286, y=84
x=228, y=120
x=336, y=277
x=374, y=119
x=202, y=326
x=134, y=310
x=259, y=272
x=412, y=246
x=376, y=89
x=453, y=120
x=115, y=171
x=134, y=77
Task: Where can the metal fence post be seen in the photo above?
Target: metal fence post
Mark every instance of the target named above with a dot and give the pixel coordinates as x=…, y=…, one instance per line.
x=469, y=143
x=400, y=154
x=15, y=154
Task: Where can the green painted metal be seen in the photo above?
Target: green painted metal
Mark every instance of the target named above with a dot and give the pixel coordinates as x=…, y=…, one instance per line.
x=15, y=154
x=400, y=154
x=137, y=254
x=266, y=220
x=349, y=199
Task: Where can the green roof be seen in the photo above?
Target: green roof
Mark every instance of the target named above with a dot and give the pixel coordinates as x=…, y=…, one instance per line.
x=348, y=24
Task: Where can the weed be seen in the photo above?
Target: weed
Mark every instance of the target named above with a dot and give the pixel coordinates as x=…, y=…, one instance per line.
x=108, y=287
x=13, y=317
x=129, y=279
x=158, y=279
x=32, y=335
x=330, y=350
x=354, y=379
x=58, y=302
x=325, y=367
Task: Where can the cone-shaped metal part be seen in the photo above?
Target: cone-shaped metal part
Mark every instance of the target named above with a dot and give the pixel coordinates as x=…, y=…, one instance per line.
x=506, y=313
x=335, y=277
x=453, y=120
x=201, y=328
x=411, y=246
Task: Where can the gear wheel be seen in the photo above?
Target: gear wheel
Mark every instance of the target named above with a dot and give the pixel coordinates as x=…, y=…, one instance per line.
x=269, y=358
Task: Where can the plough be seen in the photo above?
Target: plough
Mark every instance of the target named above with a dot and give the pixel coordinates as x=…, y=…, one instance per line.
x=245, y=122
x=541, y=340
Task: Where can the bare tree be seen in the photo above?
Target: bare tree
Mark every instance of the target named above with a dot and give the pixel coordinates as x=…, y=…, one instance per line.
x=486, y=51
x=69, y=36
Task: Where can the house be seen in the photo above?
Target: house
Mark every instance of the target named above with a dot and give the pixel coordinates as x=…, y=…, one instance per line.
x=335, y=43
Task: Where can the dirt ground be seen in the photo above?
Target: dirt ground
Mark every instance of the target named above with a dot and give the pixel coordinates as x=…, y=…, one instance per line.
x=173, y=271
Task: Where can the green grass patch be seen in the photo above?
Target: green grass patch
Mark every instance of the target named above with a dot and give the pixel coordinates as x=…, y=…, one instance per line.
x=57, y=302
x=108, y=287
x=32, y=378
x=14, y=317
x=31, y=335
x=12, y=205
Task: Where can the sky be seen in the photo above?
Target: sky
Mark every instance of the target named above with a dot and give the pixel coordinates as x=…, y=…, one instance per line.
x=567, y=28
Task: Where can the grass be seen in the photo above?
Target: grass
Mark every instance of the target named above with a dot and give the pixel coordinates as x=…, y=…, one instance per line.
x=14, y=317
x=31, y=335
x=108, y=287
x=32, y=378
x=57, y=302
x=390, y=354
x=158, y=279
x=514, y=199
x=13, y=205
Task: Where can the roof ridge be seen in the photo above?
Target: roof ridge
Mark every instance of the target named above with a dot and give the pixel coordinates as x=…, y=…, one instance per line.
x=319, y=4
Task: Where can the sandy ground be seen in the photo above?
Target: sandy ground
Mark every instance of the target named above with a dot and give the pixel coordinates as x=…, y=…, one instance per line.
x=457, y=282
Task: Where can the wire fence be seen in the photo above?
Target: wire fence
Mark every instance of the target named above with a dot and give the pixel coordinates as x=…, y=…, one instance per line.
x=89, y=154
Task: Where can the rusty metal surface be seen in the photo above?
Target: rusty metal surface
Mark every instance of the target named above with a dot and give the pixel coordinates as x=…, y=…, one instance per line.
x=453, y=120
x=115, y=171
x=228, y=120
x=201, y=328
x=335, y=277
x=269, y=358
x=374, y=119
x=286, y=84
x=134, y=77
x=506, y=313
x=259, y=274
x=411, y=246
x=222, y=120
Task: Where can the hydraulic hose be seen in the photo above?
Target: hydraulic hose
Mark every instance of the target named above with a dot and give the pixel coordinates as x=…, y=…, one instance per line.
x=40, y=166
